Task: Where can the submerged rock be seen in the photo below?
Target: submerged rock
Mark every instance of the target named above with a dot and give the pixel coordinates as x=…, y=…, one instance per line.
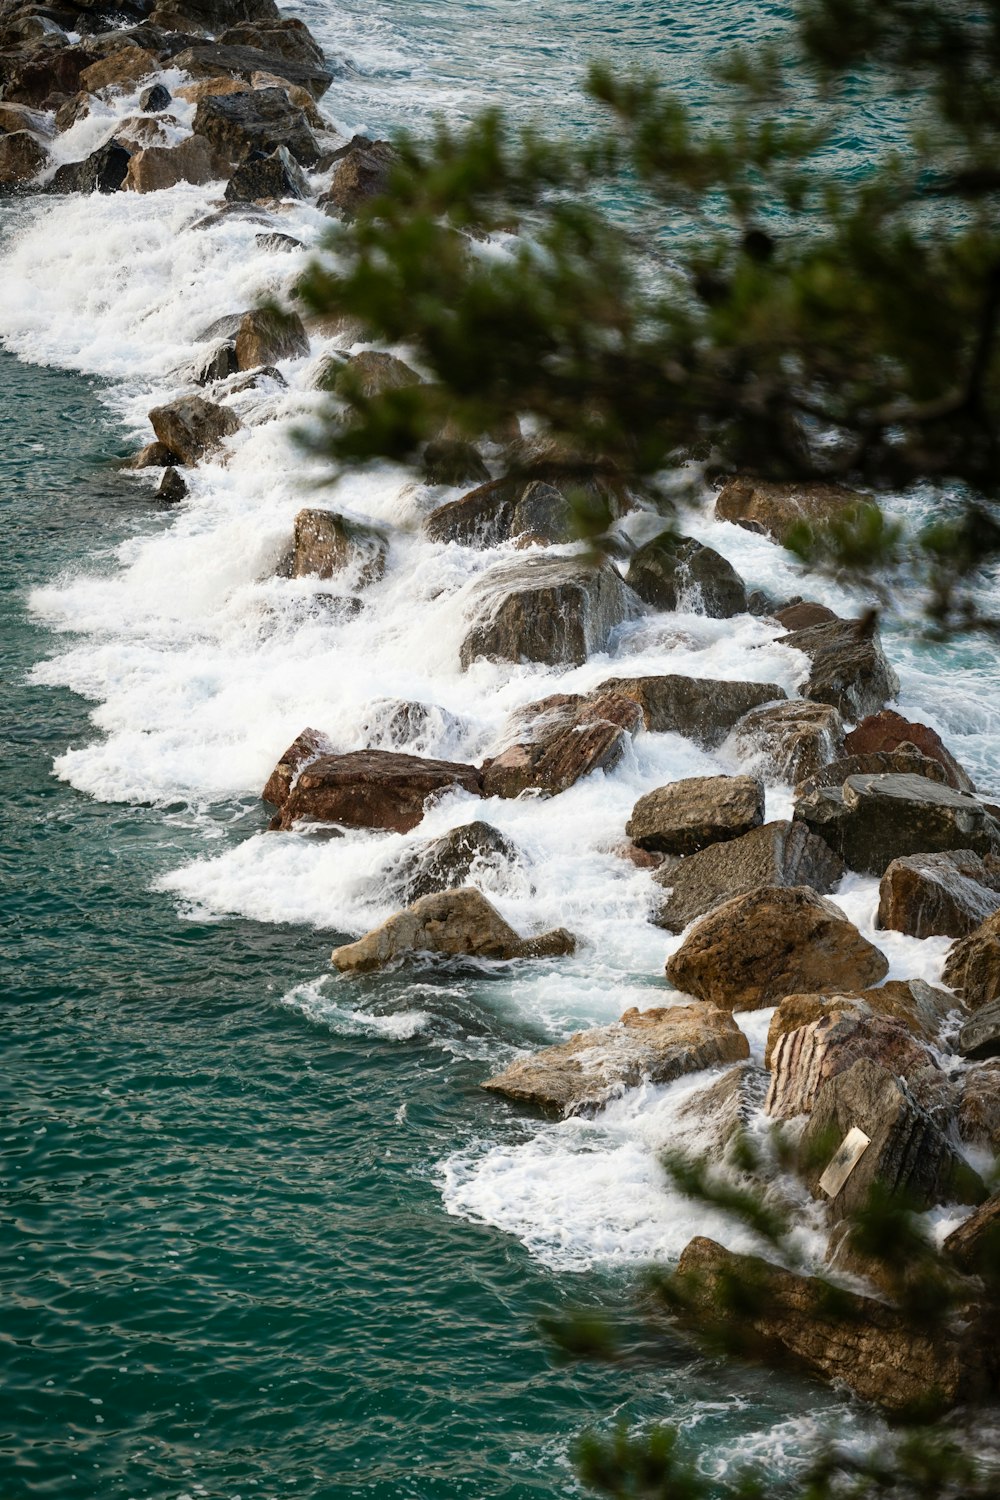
x=192, y=426
x=449, y=862
x=725, y=1108
x=325, y=543
x=674, y=572
x=703, y=709
x=551, y=610
x=373, y=789
x=687, y=815
x=787, y=741
x=939, y=895
x=849, y=669
x=459, y=923
x=778, y=508
x=973, y=965
x=559, y=740
x=887, y=731
x=581, y=1075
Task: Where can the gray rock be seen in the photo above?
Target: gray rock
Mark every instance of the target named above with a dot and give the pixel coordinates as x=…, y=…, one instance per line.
x=787, y=741
x=687, y=815
x=551, y=610
x=849, y=669
x=103, y=171
x=22, y=157
x=217, y=364
x=448, y=862
x=504, y=510
x=904, y=761
x=939, y=895
x=275, y=241
x=260, y=178
x=258, y=120
x=702, y=709
x=725, y=1108
x=155, y=99
x=676, y=572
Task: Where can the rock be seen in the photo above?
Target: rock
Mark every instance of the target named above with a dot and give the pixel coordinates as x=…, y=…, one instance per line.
x=325, y=543
x=22, y=157
x=226, y=327
x=724, y=1109
x=284, y=37
x=887, y=730
x=702, y=709
x=687, y=815
x=861, y=1342
x=37, y=72
x=125, y=67
x=391, y=723
x=309, y=746
x=756, y=948
x=284, y=242
x=849, y=669
x=803, y=614
x=77, y=108
x=267, y=335
x=103, y=171
x=907, y=1156
x=143, y=130
x=974, y=1246
x=156, y=168
x=362, y=172
x=213, y=15
x=262, y=178
x=192, y=426
x=980, y=1036
x=153, y=456
x=873, y=820
x=777, y=509
x=258, y=120
x=458, y=923
x=973, y=965
x=787, y=741
x=551, y=610
x=796, y=1011
x=155, y=99
x=450, y=461
x=524, y=508
x=979, y=1107
x=777, y=854
x=451, y=861
x=581, y=1075
x=904, y=761
x=371, y=373
x=373, y=789
x=559, y=740
x=802, y=1060
x=15, y=118
x=673, y=572
x=172, y=487
x=209, y=60
x=219, y=363
x=939, y=895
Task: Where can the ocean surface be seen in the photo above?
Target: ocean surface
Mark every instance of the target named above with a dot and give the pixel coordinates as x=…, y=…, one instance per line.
x=263, y=1233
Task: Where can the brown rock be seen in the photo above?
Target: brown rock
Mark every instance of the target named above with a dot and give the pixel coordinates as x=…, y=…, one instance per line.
x=450, y=862
x=458, y=923
x=778, y=508
x=363, y=170
x=209, y=88
x=324, y=544
x=796, y=1011
x=256, y=120
x=676, y=572
x=754, y=950
x=703, y=709
x=551, y=610
x=503, y=510
x=559, y=740
x=973, y=965
x=939, y=895
x=22, y=157
x=975, y=1245
x=804, y=1059
x=788, y=741
x=849, y=669
x=804, y=614
x=904, y=761
x=267, y=335
x=123, y=69
x=979, y=1107
x=373, y=789
x=192, y=427
x=371, y=373
x=581, y=1075
x=888, y=730
x=172, y=487
x=687, y=815
x=156, y=168
x=922, y=1007
x=309, y=746
x=153, y=456
x=210, y=59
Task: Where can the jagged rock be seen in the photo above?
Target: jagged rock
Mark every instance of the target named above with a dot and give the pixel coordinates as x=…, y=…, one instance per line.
x=787, y=741
x=975, y=1245
x=373, y=789
x=803, y=1059
x=458, y=923
x=267, y=335
x=754, y=949
x=363, y=170
x=153, y=456
x=307, y=747
x=139, y=131
x=256, y=380
x=979, y=1107
x=172, y=488
x=284, y=242
x=77, y=108
x=973, y=965
x=126, y=67
x=939, y=895
x=286, y=37
x=922, y=1007
x=22, y=157
x=724, y=1109
x=849, y=669
x=261, y=178
x=777, y=854
x=219, y=363
x=581, y=1075
x=907, y=1155
x=796, y=1011
x=702, y=709
x=226, y=327
x=15, y=118
x=103, y=171
x=155, y=99
x=209, y=60
x=371, y=373
x=212, y=15
x=980, y=1036
x=192, y=426
x=676, y=572
x=451, y=861
x=872, y=820
x=777, y=509
x=559, y=740
x=325, y=543
x=156, y=168
x=551, y=610
x=887, y=730
x=803, y=614
x=687, y=815
x=862, y=1342
x=258, y=120
x=904, y=761
x=503, y=510
x=39, y=71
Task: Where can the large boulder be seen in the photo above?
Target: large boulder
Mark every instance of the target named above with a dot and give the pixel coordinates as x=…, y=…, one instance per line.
x=257, y=120
x=363, y=168
x=210, y=59
x=261, y=178
x=372, y=373
x=560, y=739
x=771, y=1315
x=756, y=948
x=581, y=1075
x=921, y=1007
x=372, y=789
x=872, y=820
x=973, y=965
x=787, y=741
x=676, y=572
x=779, y=508
x=703, y=709
x=40, y=71
x=156, y=168
x=551, y=610
x=324, y=543
x=123, y=69
x=688, y=815
x=906, y=760
x=980, y=1036
x=22, y=157
x=267, y=335
x=458, y=923
x=802, y=1060
x=504, y=510
x=887, y=730
x=444, y=864
x=803, y=613
x=192, y=426
x=777, y=854
x=939, y=895
x=849, y=669
x=103, y=171
x=303, y=750
x=285, y=37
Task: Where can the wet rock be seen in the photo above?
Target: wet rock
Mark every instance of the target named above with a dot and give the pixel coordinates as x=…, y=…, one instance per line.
x=904, y=761
x=262, y=178
x=787, y=741
x=172, y=488
x=453, y=860
x=262, y=379
x=778, y=508
x=560, y=739
x=450, y=461
x=325, y=543
x=973, y=965
x=459, y=923
x=702, y=709
x=284, y=37
x=849, y=669
x=980, y=1036
x=218, y=364
x=861, y=1342
x=103, y=171
x=226, y=327
x=795, y=1011
x=371, y=373
x=19, y=117
x=777, y=854
x=887, y=731
x=804, y=614
x=363, y=168
x=725, y=1108
x=979, y=1107
x=551, y=610
x=303, y=750
x=212, y=15
x=804, y=1059
x=153, y=456
x=974, y=1247
x=872, y=820
x=155, y=99
x=939, y=895
x=22, y=157
x=277, y=242
x=156, y=168
x=907, y=1156
x=71, y=110
x=676, y=572
x=192, y=426
x=38, y=71
x=259, y=120
x=267, y=335
x=504, y=510
x=373, y=789
x=581, y=1075
x=209, y=60
x=687, y=815
x=755, y=949
x=125, y=67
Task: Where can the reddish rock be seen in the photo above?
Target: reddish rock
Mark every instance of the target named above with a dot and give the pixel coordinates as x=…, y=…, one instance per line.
x=777, y=508
x=373, y=789
x=804, y=614
x=561, y=739
x=309, y=746
x=888, y=730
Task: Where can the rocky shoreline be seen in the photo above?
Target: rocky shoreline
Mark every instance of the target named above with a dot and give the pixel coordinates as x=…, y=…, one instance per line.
x=907, y=1064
